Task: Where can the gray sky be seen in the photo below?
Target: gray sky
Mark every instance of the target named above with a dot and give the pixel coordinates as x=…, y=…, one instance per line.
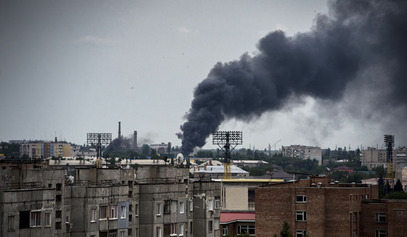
x=72, y=67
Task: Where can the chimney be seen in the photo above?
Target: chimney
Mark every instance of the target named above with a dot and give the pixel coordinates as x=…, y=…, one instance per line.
x=120, y=132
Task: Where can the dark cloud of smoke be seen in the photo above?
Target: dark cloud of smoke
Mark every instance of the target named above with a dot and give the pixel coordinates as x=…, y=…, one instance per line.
x=355, y=39
x=120, y=144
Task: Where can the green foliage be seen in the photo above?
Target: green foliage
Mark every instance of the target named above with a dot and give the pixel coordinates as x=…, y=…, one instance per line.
x=396, y=195
x=398, y=187
x=285, y=232
x=10, y=150
x=145, y=149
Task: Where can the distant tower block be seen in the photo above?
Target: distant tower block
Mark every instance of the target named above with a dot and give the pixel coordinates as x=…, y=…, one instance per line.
x=135, y=140
x=120, y=132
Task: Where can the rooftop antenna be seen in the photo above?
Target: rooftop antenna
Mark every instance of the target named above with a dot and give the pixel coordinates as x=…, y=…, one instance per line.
x=226, y=139
x=99, y=141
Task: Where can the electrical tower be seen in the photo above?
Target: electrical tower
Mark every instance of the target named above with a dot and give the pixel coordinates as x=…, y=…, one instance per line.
x=389, y=141
x=99, y=141
x=227, y=141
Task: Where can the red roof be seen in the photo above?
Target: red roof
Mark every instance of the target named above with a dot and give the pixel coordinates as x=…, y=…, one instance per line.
x=229, y=217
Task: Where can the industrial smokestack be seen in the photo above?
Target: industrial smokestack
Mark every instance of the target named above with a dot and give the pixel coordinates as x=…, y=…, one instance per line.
x=360, y=43
x=120, y=132
x=135, y=140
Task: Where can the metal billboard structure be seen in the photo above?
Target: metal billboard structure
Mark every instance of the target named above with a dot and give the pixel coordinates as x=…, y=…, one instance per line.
x=389, y=141
x=227, y=141
x=99, y=141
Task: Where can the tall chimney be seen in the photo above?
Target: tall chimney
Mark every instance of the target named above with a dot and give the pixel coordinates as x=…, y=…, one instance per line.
x=135, y=140
x=120, y=132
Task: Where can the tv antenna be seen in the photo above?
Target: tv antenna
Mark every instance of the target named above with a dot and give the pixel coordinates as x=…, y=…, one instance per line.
x=99, y=141
x=227, y=141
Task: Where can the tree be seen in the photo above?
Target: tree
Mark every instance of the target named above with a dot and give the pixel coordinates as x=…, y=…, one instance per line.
x=398, y=187
x=145, y=149
x=285, y=232
x=387, y=188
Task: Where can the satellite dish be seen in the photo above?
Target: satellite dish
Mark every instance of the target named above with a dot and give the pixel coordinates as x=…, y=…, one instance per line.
x=180, y=158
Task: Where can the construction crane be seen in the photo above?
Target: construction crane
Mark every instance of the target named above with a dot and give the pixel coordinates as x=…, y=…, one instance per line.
x=227, y=141
x=274, y=145
x=389, y=141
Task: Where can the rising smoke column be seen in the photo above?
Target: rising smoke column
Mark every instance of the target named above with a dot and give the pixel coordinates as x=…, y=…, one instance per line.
x=357, y=37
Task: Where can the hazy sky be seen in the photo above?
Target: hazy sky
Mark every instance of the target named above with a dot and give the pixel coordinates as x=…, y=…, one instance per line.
x=72, y=67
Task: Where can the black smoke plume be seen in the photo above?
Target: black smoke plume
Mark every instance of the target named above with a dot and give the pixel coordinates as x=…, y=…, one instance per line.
x=120, y=144
x=361, y=42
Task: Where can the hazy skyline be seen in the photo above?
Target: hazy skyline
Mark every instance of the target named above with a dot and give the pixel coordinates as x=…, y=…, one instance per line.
x=72, y=67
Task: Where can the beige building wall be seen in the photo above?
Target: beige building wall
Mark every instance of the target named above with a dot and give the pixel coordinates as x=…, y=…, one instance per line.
x=66, y=150
x=235, y=197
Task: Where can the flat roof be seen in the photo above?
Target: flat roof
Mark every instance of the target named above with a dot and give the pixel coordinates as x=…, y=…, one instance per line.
x=230, y=217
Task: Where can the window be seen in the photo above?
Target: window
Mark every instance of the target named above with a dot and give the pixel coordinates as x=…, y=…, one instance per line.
x=300, y=233
x=59, y=187
x=191, y=205
x=48, y=219
x=113, y=212
x=102, y=212
x=136, y=211
x=190, y=227
x=158, y=232
x=58, y=225
x=93, y=215
x=130, y=232
x=225, y=230
x=245, y=229
x=181, y=230
x=173, y=229
x=217, y=203
x=130, y=218
x=10, y=223
x=158, y=209
x=24, y=219
x=210, y=226
x=181, y=207
x=301, y=216
x=35, y=219
x=210, y=205
x=167, y=207
x=380, y=217
x=301, y=199
x=380, y=233
x=123, y=212
x=122, y=233
x=58, y=214
x=58, y=198
x=354, y=217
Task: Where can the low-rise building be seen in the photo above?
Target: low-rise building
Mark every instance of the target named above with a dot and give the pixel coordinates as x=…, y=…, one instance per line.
x=303, y=152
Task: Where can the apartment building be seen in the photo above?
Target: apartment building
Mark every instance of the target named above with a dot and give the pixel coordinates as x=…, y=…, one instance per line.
x=153, y=200
x=303, y=152
x=44, y=150
x=383, y=218
x=314, y=207
x=32, y=202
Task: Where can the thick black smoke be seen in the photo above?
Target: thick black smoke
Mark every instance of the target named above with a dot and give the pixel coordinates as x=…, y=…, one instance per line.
x=119, y=144
x=357, y=38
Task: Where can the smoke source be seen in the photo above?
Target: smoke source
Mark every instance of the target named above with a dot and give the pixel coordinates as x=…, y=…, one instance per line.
x=360, y=42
